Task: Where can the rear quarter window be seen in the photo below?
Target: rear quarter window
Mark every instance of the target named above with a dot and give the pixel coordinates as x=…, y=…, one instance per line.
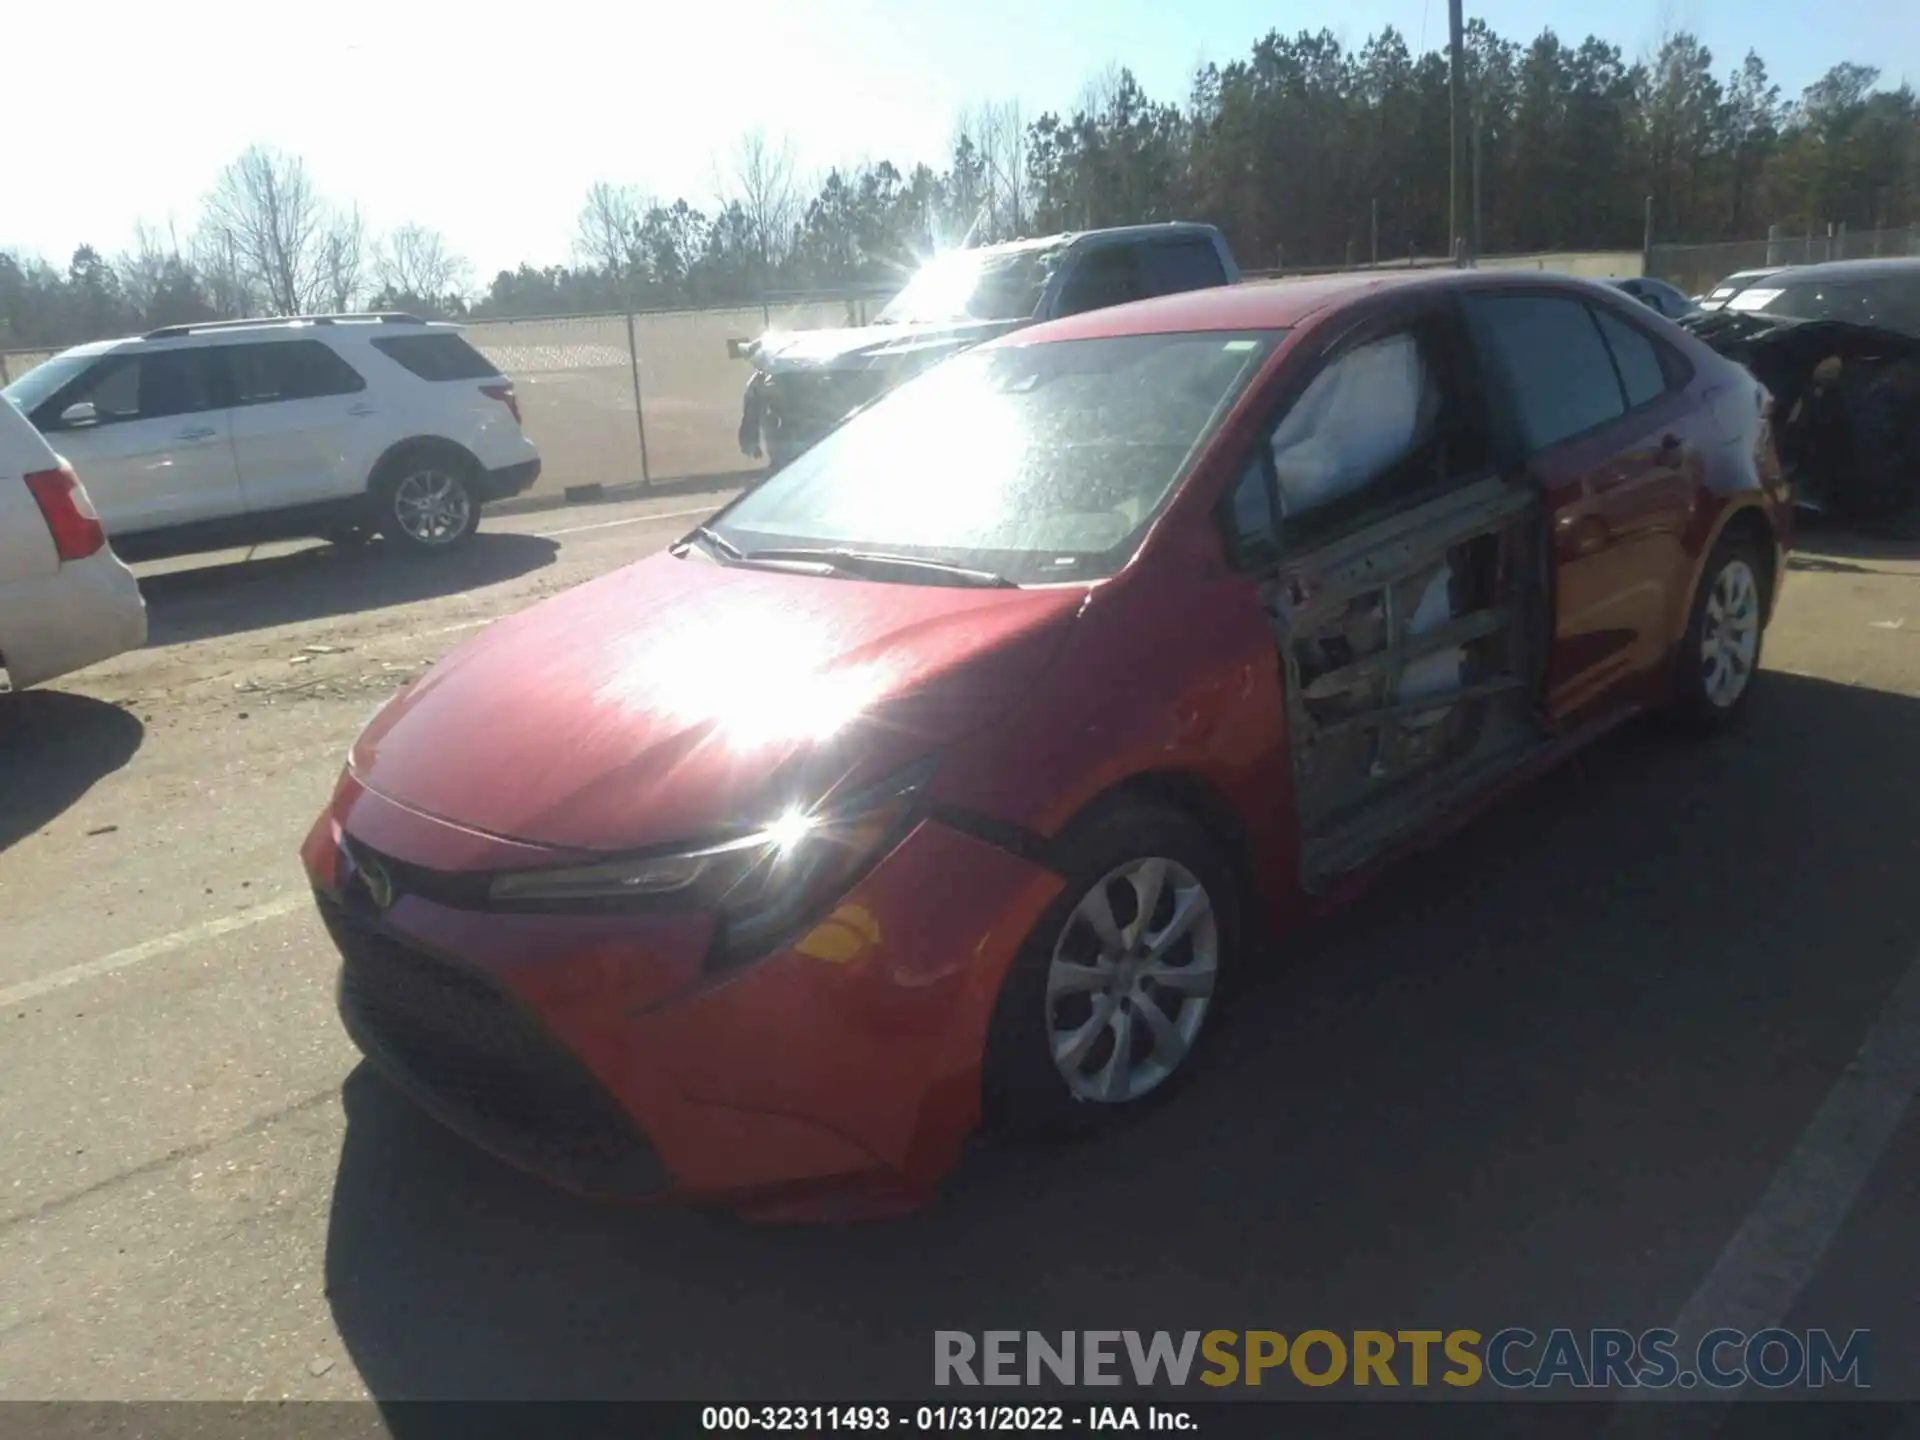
x=1173, y=266
x=1642, y=375
x=437, y=357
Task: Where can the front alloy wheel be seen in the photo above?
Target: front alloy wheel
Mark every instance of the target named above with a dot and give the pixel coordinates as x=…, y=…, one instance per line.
x=1102, y=1010
x=1131, y=980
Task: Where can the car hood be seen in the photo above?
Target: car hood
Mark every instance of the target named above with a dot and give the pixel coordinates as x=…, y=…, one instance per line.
x=867, y=346
x=678, y=697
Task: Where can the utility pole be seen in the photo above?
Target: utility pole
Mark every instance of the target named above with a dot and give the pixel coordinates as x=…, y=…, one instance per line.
x=1374, y=253
x=1473, y=229
x=1457, y=133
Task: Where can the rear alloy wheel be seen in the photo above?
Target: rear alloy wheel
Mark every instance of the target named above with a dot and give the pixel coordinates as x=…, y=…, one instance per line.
x=1106, y=1003
x=429, y=507
x=1721, y=652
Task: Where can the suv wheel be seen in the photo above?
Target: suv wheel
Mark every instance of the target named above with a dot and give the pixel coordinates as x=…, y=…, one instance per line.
x=427, y=505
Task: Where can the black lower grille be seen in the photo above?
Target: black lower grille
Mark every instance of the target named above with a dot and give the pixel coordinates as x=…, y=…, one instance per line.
x=470, y=1055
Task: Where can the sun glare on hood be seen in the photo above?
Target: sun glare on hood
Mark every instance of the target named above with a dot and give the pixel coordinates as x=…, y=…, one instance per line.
x=757, y=676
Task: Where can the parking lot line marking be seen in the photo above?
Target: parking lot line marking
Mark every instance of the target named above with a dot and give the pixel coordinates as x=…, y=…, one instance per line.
x=630, y=520
x=1776, y=1250
x=148, y=950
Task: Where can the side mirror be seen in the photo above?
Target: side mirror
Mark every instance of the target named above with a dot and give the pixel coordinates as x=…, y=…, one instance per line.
x=79, y=413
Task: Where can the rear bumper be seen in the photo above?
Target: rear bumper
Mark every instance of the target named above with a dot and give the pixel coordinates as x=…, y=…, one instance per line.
x=835, y=1078
x=509, y=480
x=86, y=611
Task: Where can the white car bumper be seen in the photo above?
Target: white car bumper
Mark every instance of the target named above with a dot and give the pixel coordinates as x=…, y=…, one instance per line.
x=86, y=611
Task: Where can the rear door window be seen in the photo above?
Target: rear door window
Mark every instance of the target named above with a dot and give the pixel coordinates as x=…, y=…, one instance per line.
x=437, y=357
x=1557, y=371
x=1108, y=275
x=289, y=370
x=1172, y=266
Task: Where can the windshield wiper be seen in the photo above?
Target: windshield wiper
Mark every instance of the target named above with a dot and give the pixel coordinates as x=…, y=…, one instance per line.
x=874, y=564
x=714, y=541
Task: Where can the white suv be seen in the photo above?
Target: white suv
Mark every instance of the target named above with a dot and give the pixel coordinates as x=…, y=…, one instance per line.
x=194, y=437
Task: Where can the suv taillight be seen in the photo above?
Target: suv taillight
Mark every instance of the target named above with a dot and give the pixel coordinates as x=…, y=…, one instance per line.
x=69, y=514
x=504, y=394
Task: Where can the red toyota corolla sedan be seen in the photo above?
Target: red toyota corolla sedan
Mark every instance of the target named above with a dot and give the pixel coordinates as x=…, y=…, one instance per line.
x=947, y=777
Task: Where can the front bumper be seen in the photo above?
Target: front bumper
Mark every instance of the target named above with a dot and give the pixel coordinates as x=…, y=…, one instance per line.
x=838, y=1076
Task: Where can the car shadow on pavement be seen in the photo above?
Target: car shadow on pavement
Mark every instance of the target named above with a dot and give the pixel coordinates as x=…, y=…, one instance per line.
x=54, y=747
x=323, y=581
x=1537, y=1077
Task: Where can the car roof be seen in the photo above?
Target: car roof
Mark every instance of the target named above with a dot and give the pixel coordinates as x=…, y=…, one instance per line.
x=1170, y=229
x=259, y=327
x=1277, y=304
x=1826, y=270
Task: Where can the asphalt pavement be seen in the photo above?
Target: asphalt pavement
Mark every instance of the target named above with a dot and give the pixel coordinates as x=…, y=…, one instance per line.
x=1594, y=1061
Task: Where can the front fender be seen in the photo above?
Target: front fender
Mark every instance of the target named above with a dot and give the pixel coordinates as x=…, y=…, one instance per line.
x=1171, y=684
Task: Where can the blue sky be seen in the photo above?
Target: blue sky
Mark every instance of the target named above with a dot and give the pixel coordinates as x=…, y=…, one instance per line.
x=489, y=127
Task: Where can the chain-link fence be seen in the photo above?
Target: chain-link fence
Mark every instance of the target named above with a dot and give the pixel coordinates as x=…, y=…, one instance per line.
x=1696, y=268
x=650, y=396
x=15, y=363
x=612, y=399
x=655, y=396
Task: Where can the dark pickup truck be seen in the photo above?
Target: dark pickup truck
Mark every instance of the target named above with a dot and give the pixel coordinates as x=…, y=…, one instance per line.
x=806, y=382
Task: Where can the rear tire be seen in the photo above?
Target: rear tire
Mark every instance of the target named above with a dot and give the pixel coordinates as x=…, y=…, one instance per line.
x=1132, y=954
x=1720, y=653
x=425, y=502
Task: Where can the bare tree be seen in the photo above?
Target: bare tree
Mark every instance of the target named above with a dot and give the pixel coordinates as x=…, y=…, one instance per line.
x=1102, y=89
x=415, y=261
x=765, y=184
x=266, y=206
x=143, y=269
x=1000, y=133
x=216, y=259
x=607, y=235
x=343, y=258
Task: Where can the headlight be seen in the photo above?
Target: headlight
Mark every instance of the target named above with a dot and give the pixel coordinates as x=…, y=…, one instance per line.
x=763, y=884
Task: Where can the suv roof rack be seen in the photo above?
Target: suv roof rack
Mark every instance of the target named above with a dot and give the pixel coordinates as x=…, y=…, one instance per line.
x=384, y=317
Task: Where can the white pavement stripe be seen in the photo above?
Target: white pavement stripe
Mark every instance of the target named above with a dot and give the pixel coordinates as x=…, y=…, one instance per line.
x=630, y=520
x=148, y=950
x=451, y=629
x=1777, y=1249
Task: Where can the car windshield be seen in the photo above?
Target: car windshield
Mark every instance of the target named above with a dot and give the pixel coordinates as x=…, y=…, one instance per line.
x=1034, y=462
x=31, y=390
x=973, y=285
x=1891, y=302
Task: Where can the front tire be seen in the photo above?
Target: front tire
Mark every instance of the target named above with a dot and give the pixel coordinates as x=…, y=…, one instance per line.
x=1103, y=1009
x=1720, y=654
x=426, y=503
